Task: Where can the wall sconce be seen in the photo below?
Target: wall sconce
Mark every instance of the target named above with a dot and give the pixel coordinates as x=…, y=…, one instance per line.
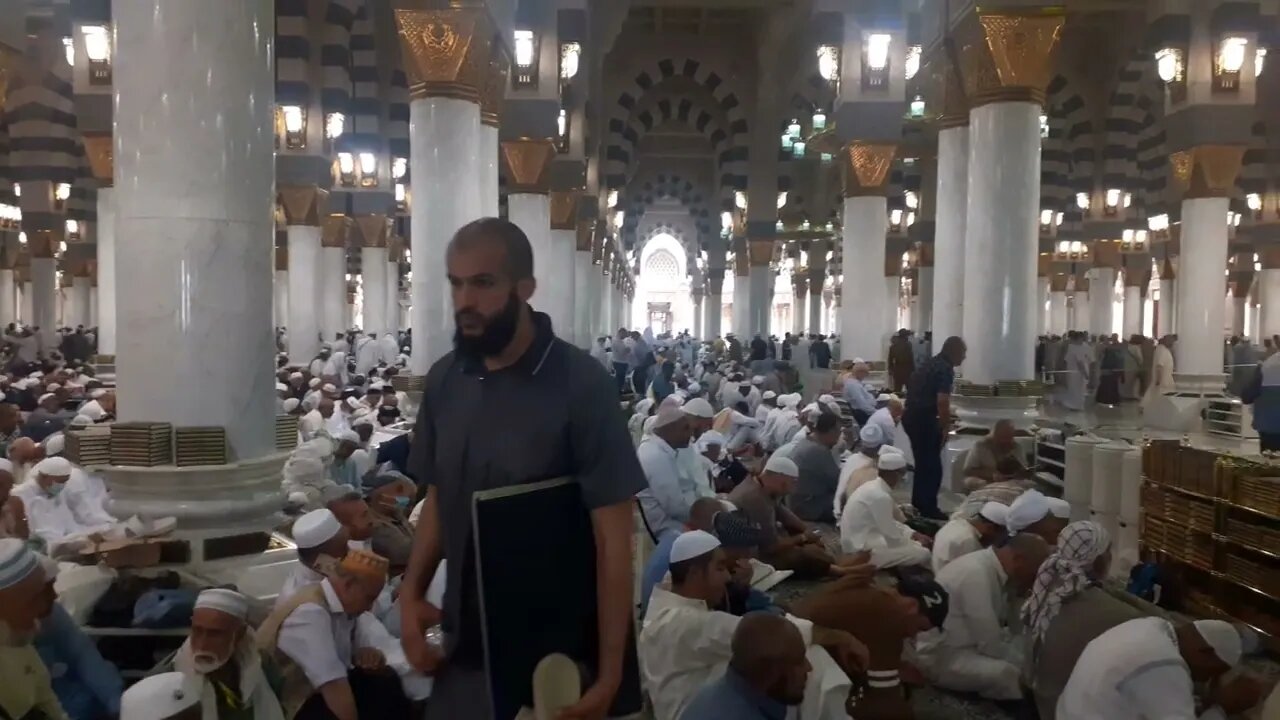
x=346, y=169
x=368, y=169
x=827, y=157
x=1172, y=68
x=402, y=196
x=740, y=200
x=911, y=218
x=62, y=246
x=97, y=48
x=570, y=55
x=1228, y=62
x=875, y=62
x=1048, y=228
x=22, y=238
x=895, y=220
x=17, y=190
x=562, y=132
x=612, y=199
x=917, y=107
x=295, y=122
x=911, y=199
x=829, y=64
x=1071, y=250
x=61, y=192
x=619, y=217
x=778, y=226
x=335, y=123
x=1083, y=201
x=1259, y=59
x=73, y=229
x=819, y=121
x=1111, y=201
x=1254, y=201
x=525, y=46
x=10, y=216
x=797, y=149
x=399, y=168
x=69, y=47
x=726, y=222
x=912, y=64
x=1233, y=219
x=782, y=199
x=786, y=142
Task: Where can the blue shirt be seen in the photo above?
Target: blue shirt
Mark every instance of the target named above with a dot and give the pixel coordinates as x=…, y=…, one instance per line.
x=927, y=382
x=731, y=698
x=87, y=686
x=659, y=564
x=858, y=396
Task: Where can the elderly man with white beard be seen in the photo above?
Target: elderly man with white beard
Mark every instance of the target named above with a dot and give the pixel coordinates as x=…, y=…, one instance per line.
x=24, y=599
x=220, y=657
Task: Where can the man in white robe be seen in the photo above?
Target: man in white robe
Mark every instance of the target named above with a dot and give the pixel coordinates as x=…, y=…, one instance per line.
x=868, y=521
x=870, y=438
x=388, y=349
x=221, y=659
x=961, y=536
x=316, y=369
x=49, y=515
x=366, y=354
x=1161, y=369
x=1078, y=373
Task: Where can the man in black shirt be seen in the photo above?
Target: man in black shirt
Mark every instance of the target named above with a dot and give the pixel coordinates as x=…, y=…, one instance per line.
x=820, y=351
x=512, y=404
x=927, y=419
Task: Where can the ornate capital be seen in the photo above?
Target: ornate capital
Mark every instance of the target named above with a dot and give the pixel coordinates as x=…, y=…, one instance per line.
x=528, y=164
x=303, y=204
x=43, y=243
x=761, y=252
x=865, y=168
x=1169, y=269
x=946, y=91
x=1206, y=170
x=1058, y=282
x=1106, y=254
x=1082, y=284
x=97, y=149
x=336, y=230
x=1009, y=57
x=799, y=283
x=1137, y=277
x=1044, y=264
x=373, y=230
x=494, y=91
x=446, y=52
x=564, y=209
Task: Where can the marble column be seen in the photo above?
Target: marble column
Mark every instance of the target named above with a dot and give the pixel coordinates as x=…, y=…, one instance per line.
x=1201, y=286
x=1058, y=322
x=760, y=279
x=800, y=301
x=281, y=285
x=80, y=287
x=922, y=311
x=8, y=296
x=334, y=237
x=1167, y=317
x=1269, y=285
x=949, y=232
x=391, y=298
x=893, y=305
x=1042, y=305
x=698, y=298
x=374, y=234
x=196, y=237
x=864, y=318
x=1102, y=300
x=27, y=311
x=446, y=81
x=93, y=300
x=818, y=311
x=106, y=271
x=741, y=296
x=1237, y=310
x=714, y=303
x=1132, y=309
x=555, y=265
x=305, y=209
x=487, y=146
x=585, y=299
x=42, y=245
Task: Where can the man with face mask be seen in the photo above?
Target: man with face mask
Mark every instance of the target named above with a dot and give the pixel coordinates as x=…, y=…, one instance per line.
x=26, y=692
x=49, y=515
x=220, y=658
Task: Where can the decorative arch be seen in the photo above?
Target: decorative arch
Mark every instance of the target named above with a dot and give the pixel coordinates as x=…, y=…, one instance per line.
x=642, y=196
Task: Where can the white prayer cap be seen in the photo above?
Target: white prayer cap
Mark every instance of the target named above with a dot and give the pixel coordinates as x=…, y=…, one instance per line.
x=97, y=393
x=36, y=375
x=891, y=461
x=647, y=428
x=52, y=386
x=812, y=412
x=643, y=407
x=668, y=412
x=769, y=395
x=55, y=444
x=871, y=435
x=281, y=387
x=53, y=467
x=295, y=375
x=352, y=403
x=791, y=401
x=82, y=419
x=694, y=388
x=711, y=437
x=315, y=528
x=291, y=404
x=1059, y=508
x=1029, y=509
x=377, y=385
x=46, y=396
x=885, y=397
x=158, y=697
x=692, y=544
x=698, y=408
x=347, y=436
x=995, y=512
x=362, y=419
x=891, y=449
x=757, y=380
x=782, y=465
x=16, y=562
x=313, y=382
x=859, y=361
x=223, y=600
x=329, y=388
x=826, y=399
x=1222, y=637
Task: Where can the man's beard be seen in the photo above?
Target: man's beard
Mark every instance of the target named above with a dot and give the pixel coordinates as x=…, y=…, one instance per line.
x=206, y=663
x=496, y=336
x=11, y=638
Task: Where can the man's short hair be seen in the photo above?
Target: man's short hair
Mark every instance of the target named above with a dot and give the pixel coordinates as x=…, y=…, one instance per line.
x=680, y=570
x=826, y=423
x=519, y=260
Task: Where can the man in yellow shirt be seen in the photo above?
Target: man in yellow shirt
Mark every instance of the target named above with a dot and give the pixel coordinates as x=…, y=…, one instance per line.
x=25, y=597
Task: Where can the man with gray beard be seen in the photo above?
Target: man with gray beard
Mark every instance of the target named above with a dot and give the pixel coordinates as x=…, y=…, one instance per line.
x=221, y=658
x=25, y=597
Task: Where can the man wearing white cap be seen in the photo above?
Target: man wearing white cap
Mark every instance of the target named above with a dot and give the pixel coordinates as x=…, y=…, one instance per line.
x=768, y=403
x=342, y=470
x=684, y=645
x=86, y=494
x=786, y=422
x=321, y=541
x=860, y=467
x=961, y=536
x=861, y=401
x=868, y=521
x=49, y=514
x=995, y=457
x=167, y=696
x=754, y=394
x=889, y=419
x=1031, y=513
x=1146, y=669
x=317, y=419
x=24, y=599
x=665, y=503
x=692, y=464
x=220, y=658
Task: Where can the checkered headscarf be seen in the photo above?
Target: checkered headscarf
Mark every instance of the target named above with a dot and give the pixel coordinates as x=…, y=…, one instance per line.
x=1064, y=575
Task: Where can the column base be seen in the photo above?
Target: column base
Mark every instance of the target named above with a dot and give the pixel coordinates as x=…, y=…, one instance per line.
x=1182, y=409
x=977, y=414
x=104, y=368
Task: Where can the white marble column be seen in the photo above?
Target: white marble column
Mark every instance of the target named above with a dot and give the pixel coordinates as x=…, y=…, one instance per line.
x=893, y=307
x=28, y=313
x=949, y=233
x=799, y=304
x=44, y=294
x=608, y=303
x=759, y=300
x=585, y=300
x=487, y=171
x=1001, y=241
x=922, y=310
x=106, y=271
x=93, y=304
x=391, y=300
x=304, y=293
x=1042, y=305
x=1202, y=285
x=373, y=272
x=281, y=289
x=742, y=306
x=818, y=310
x=698, y=300
x=714, y=304
x=196, y=235
x=1237, y=314
x=333, y=291
x=1132, y=311
x=1168, y=315
x=1059, y=323
x=8, y=297
x=1269, y=285
x=1101, y=301
x=864, y=316
x=80, y=310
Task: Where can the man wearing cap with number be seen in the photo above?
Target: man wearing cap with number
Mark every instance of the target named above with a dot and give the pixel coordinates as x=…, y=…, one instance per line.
x=25, y=691
x=1147, y=668
x=49, y=514
x=321, y=541
x=222, y=660
x=868, y=522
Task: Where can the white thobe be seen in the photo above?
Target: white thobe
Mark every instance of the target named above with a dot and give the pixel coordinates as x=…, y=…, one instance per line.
x=317, y=367
x=693, y=469
x=973, y=652
x=787, y=425
x=1161, y=373
x=868, y=523
x=388, y=350
x=51, y=518
x=310, y=424
x=666, y=501
x=87, y=497
x=92, y=409
x=1132, y=671
x=753, y=399
x=366, y=355
x=958, y=537
x=852, y=464
x=299, y=578
x=684, y=645
x=1079, y=366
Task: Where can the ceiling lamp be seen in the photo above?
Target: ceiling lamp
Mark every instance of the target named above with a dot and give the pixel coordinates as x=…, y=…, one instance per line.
x=292, y=118
x=878, y=51
x=782, y=199
x=1169, y=64
x=1254, y=201
x=726, y=221
x=1259, y=58
x=62, y=191
x=786, y=142
x=912, y=64
x=740, y=200
x=294, y=122
x=917, y=107
x=1064, y=246
x=346, y=169
x=1158, y=223
x=399, y=167
x=97, y=44
x=797, y=149
x=570, y=55
x=335, y=123
x=911, y=199
x=523, y=44
x=829, y=63
x=69, y=46
x=612, y=199
x=1231, y=54
x=793, y=128
x=1082, y=200
x=619, y=217
x=819, y=121
x=525, y=52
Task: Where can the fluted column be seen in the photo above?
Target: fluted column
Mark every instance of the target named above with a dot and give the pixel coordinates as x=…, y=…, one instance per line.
x=373, y=232
x=864, y=315
x=555, y=268
x=1007, y=86
x=447, y=59
x=23, y=279
x=304, y=207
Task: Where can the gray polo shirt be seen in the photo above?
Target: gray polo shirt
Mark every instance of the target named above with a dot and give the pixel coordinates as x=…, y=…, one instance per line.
x=554, y=413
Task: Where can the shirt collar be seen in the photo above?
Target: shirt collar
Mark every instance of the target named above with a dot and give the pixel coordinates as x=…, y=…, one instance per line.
x=331, y=598
x=533, y=358
x=767, y=706
x=661, y=444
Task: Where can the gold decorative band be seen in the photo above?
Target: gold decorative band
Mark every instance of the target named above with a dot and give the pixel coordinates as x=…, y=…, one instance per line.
x=494, y=91
x=564, y=209
x=528, y=164
x=335, y=231
x=446, y=52
x=42, y=243
x=1009, y=94
x=303, y=204
x=760, y=252
x=373, y=229
x=866, y=168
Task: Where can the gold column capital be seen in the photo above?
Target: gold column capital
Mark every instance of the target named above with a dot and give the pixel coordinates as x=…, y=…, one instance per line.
x=1009, y=57
x=924, y=255
x=1137, y=277
x=1169, y=268
x=494, y=92
x=1058, y=282
x=303, y=204
x=582, y=240
x=373, y=230
x=564, y=209
x=43, y=243
x=945, y=89
x=528, y=164
x=335, y=231
x=98, y=151
x=1082, y=284
x=1206, y=171
x=1044, y=264
x=446, y=51
x=865, y=168
x=1105, y=254
x=760, y=251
